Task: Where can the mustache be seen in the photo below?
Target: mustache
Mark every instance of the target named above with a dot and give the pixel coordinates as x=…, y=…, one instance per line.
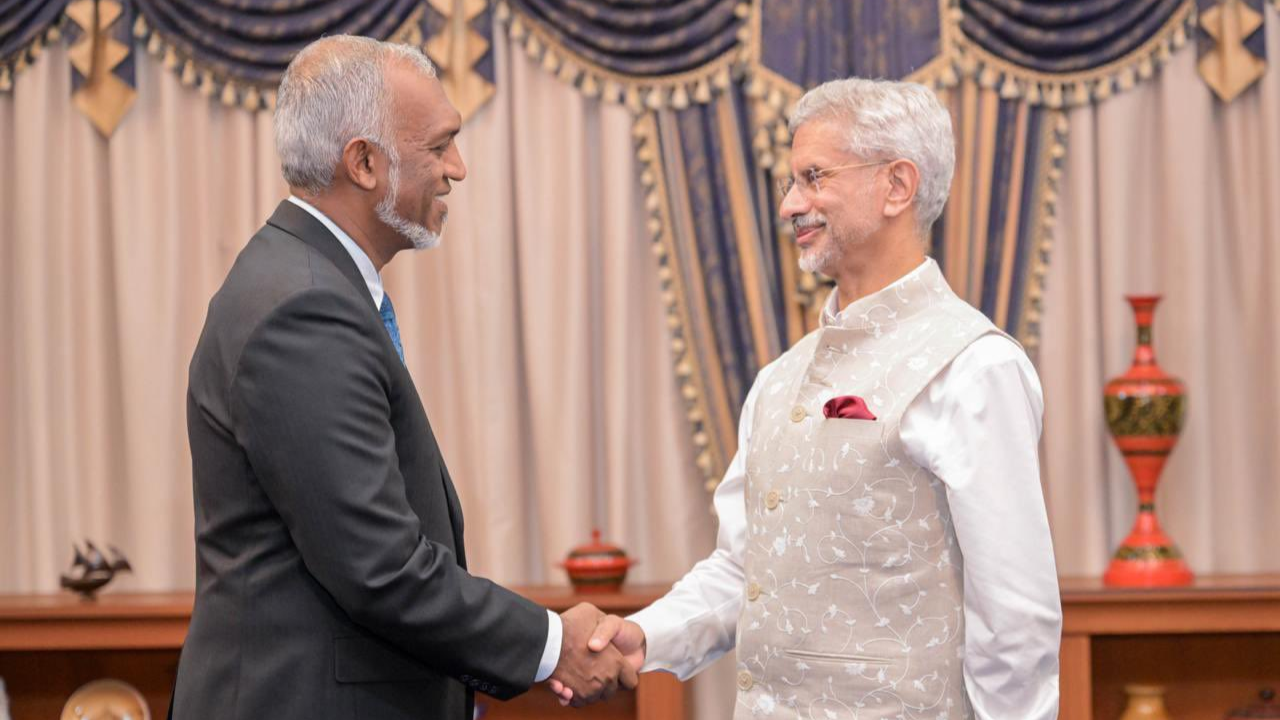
x=807, y=220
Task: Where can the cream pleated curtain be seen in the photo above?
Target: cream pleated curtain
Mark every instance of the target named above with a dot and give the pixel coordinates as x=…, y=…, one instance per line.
x=1168, y=190
x=535, y=333
x=111, y=252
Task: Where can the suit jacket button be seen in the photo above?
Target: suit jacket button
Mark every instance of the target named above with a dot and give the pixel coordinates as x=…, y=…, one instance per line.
x=798, y=414
x=745, y=681
x=753, y=592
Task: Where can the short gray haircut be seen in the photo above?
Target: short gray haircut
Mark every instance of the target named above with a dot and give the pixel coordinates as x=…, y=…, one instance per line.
x=888, y=120
x=333, y=92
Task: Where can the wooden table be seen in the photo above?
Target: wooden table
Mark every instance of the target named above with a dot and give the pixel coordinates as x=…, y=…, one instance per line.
x=1212, y=645
x=52, y=644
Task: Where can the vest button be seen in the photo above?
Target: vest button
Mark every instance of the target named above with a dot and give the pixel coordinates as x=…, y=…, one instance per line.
x=753, y=592
x=772, y=499
x=797, y=414
x=745, y=681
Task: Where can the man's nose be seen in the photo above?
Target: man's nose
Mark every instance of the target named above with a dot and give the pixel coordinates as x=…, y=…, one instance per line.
x=793, y=203
x=454, y=168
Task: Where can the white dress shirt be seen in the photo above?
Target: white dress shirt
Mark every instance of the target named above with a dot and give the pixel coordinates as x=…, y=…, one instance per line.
x=555, y=627
x=977, y=427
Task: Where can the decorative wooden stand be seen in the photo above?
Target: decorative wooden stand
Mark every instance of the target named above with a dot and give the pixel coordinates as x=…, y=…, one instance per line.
x=1212, y=644
x=52, y=644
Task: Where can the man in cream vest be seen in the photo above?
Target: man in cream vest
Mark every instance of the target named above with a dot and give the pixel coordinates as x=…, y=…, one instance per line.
x=884, y=550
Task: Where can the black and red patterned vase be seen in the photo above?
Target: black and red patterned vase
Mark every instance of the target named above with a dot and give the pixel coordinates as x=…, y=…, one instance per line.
x=1145, y=408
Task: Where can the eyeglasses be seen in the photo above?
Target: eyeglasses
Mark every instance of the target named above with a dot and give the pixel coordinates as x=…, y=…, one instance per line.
x=810, y=181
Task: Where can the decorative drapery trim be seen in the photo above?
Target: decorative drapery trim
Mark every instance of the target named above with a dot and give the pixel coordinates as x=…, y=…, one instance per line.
x=231, y=91
x=455, y=45
x=1044, y=222
x=195, y=73
x=102, y=82
x=960, y=56
x=709, y=456
x=1230, y=60
x=1057, y=90
x=637, y=93
x=457, y=49
x=27, y=53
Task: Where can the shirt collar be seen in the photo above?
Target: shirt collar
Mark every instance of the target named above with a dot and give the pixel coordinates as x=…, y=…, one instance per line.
x=362, y=261
x=833, y=315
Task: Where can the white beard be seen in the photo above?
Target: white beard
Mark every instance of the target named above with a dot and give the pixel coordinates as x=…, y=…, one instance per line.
x=827, y=259
x=416, y=233
x=816, y=259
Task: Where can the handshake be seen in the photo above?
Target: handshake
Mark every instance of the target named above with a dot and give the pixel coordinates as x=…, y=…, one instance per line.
x=598, y=652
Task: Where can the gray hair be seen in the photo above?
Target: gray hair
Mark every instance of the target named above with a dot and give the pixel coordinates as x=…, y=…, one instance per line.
x=887, y=120
x=332, y=92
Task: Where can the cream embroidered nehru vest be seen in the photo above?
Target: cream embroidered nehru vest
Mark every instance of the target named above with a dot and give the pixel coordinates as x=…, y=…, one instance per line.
x=854, y=601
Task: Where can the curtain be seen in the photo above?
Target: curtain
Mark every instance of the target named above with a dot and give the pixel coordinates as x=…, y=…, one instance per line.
x=710, y=84
x=711, y=136
x=112, y=251
x=1167, y=190
x=532, y=333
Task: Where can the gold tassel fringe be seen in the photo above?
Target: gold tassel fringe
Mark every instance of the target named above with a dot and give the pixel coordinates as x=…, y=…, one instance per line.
x=968, y=59
x=678, y=91
x=708, y=456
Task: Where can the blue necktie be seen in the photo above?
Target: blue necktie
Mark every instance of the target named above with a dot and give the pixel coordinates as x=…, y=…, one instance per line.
x=388, y=313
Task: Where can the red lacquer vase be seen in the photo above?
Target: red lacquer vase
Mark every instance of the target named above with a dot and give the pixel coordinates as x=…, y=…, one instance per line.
x=597, y=567
x=1144, y=413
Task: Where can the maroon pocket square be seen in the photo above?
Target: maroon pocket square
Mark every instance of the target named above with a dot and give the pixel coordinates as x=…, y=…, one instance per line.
x=849, y=407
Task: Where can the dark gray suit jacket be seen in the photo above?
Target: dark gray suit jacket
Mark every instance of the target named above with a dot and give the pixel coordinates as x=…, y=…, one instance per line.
x=331, y=578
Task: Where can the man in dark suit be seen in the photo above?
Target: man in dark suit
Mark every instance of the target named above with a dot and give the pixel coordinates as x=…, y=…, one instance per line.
x=331, y=574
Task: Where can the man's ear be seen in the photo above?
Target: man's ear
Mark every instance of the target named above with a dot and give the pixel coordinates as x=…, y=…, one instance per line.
x=904, y=180
x=359, y=161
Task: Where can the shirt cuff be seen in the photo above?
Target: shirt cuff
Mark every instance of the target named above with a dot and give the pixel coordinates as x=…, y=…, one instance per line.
x=664, y=649
x=551, y=653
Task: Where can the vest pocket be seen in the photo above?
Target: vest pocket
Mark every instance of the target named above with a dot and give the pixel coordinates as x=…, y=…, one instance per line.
x=848, y=428
x=833, y=657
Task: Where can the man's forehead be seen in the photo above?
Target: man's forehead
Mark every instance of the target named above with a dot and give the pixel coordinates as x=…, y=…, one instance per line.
x=426, y=101
x=820, y=136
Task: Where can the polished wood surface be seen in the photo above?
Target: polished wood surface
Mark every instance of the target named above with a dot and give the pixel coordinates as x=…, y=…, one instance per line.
x=52, y=644
x=1213, y=645
x=112, y=622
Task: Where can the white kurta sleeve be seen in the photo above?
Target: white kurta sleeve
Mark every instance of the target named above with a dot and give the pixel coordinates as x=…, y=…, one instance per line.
x=977, y=427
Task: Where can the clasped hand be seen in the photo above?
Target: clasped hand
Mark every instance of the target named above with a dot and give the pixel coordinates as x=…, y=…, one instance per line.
x=598, y=653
